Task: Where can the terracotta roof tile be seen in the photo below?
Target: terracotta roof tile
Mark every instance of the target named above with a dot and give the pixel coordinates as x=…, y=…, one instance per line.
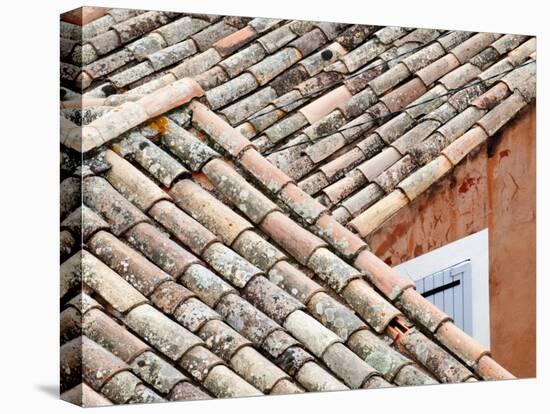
x=372, y=218
x=284, y=387
x=246, y=319
x=488, y=369
x=324, y=105
x=136, y=26
x=377, y=353
x=194, y=314
x=469, y=350
x=460, y=76
x=485, y=58
x=293, y=238
x=232, y=141
x=205, y=38
x=111, y=205
x=206, y=285
x=85, y=396
x=424, y=57
x=273, y=179
x=362, y=199
x=376, y=165
x=152, y=158
x=70, y=325
x=115, y=290
x=196, y=64
x=110, y=335
x=266, y=296
x=332, y=269
x=178, y=30
x=255, y=368
x=229, y=264
x=199, y=361
x=389, y=179
x=128, y=263
x=420, y=180
x=249, y=200
x=337, y=317
x=441, y=364
x=492, y=97
x=289, y=278
x=235, y=64
x=402, y=96
x=278, y=342
x=183, y=227
x=389, y=79
x=421, y=310
x=185, y=391
x=221, y=339
x=471, y=47
x=453, y=39
x=375, y=310
x=285, y=127
x=457, y=150
x=502, y=113
x=301, y=203
x=131, y=183
x=204, y=208
x=316, y=379
x=83, y=221
x=223, y=383
x=347, y=243
x=187, y=147
x=311, y=333
x=169, y=295
x=348, y=366
x=437, y=69
x=99, y=365
x=165, y=335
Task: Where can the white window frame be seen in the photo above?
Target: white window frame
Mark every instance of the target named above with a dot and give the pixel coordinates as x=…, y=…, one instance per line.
x=474, y=248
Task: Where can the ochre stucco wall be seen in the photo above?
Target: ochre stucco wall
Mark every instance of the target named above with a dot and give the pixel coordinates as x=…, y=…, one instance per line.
x=495, y=188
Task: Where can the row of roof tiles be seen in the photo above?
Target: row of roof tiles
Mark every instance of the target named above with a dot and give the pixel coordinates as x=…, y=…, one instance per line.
x=246, y=274
x=324, y=254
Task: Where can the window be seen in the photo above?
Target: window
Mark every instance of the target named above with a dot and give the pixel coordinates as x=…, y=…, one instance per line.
x=455, y=278
x=451, y=291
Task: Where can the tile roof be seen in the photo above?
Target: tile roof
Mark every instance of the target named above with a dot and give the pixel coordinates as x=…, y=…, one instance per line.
x=230, y=169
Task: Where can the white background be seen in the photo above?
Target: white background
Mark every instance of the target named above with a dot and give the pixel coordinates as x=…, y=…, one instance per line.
x=29, y=191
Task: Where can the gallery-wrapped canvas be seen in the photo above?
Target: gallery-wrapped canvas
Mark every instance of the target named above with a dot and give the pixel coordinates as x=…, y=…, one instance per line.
x=237, y=192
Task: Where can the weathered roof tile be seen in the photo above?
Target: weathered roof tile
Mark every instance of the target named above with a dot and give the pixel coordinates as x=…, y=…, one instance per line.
x=231, y=184
x=373, y=217
x=221, y=339
x=502, y=113
x=289, y=278
x=183, y=227
x=229, y=264
x=161, y=332
x=311, y=333
x=271, y=299
x=113, y=288
x=293, y=238
x=204, y=208
x=194, y=314
x=131, y=183
x=209, y=287
x=246, y=319
x=128, y=263
x=348, y=366
x=98, y=364
x=110, y=335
